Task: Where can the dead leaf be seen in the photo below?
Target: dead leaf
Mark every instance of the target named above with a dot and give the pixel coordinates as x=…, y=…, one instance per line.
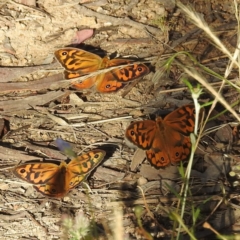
x=138, y=158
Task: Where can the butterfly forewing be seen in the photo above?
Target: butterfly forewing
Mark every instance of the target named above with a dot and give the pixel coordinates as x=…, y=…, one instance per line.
x=86, y=162
x=142, y=133
x=80, y=167
x=78, y=60
x=182, y=119
x=36, y=173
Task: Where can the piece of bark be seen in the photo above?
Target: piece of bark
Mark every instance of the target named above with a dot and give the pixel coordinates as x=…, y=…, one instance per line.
x=13, y=155
x=9, y=74
x=29, y=102
x=43, y=83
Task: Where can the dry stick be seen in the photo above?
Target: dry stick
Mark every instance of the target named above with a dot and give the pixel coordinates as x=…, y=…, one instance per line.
x=43, y=83
x=215, y=85
x=118, y=21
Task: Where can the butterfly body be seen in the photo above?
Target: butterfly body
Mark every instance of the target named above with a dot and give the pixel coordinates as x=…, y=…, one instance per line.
x=165, y=140
x=78, y=62
x=55, y=180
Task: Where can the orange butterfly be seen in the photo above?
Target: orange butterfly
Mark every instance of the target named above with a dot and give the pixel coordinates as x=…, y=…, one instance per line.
x=165, y=140
x=55, y=180
x=78, y=62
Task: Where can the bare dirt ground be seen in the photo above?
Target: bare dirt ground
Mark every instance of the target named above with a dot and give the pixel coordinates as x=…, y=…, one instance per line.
x=39, y=112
